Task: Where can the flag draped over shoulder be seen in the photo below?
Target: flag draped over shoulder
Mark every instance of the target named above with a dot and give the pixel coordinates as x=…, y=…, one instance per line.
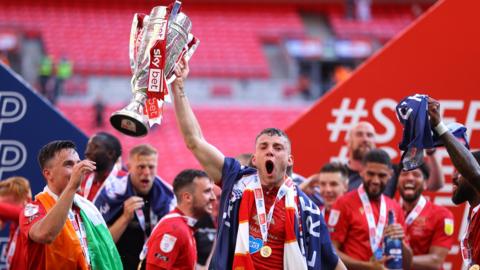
x=66, y=253
x=102, y=249
x=117, y=190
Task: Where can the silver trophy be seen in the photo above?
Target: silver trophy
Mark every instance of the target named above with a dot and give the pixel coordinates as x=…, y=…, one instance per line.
x=147, y=31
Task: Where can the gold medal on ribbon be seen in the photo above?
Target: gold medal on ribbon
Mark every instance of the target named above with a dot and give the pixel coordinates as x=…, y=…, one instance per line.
x=266, y=251
x=474, y=267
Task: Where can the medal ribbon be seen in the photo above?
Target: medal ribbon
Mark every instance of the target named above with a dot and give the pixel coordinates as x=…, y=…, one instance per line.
x=81, y=233
x=375, y=232
x=264, y=221
x=464, y=245
x=416, y=211
x=141, y=221
x=89, y=183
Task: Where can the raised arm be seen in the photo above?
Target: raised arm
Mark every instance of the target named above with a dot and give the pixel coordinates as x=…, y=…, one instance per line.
x=461, y=157
x=46, y=230
x=208, y=155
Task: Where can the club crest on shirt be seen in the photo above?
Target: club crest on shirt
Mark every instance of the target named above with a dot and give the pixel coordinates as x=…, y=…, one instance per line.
x=30, y=210
x=421, y=221
x=448, y=226
x=167, y=243
x=263, y=217
x=333, y=218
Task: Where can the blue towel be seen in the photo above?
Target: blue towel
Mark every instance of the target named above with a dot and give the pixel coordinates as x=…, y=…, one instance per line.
x=412, y=112
x=417, y=134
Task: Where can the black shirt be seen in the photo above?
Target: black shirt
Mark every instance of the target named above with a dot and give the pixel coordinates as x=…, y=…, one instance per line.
x=131, y=242
x=204, y=236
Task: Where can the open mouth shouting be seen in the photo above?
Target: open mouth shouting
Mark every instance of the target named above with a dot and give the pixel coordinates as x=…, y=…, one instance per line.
x=145, y=182
x=269, y=166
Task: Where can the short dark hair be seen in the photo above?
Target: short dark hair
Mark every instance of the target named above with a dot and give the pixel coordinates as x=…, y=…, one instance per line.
x=48, y=151
x=274, y=132
x=184, y=179
x=378, y=156
x=424, y=168
x=111, y=143
x=334, y=167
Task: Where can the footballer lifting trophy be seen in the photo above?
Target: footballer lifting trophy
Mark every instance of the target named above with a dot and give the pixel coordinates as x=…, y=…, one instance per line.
x=157, y=43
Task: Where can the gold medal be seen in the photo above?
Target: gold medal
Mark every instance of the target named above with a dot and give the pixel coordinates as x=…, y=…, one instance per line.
x=474, y=267
x=266, y=251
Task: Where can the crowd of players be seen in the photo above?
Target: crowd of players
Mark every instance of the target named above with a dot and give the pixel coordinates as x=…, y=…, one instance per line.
x=236, y=214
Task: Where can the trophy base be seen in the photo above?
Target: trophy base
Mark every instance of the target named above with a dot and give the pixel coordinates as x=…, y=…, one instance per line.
x=129, y=123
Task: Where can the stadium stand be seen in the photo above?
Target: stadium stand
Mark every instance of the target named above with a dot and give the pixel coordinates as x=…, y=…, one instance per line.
x=100, y=45
x=386, y=22
x=231, y=38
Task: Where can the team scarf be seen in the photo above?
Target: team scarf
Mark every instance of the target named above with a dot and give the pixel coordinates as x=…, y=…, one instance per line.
x=68, y=251
x=292, y=256
x=117, y=190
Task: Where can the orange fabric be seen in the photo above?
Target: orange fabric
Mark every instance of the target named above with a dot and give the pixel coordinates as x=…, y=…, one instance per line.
x=65, y=252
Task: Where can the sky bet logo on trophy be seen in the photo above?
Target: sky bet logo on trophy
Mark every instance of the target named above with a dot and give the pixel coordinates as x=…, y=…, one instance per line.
x=157, y=43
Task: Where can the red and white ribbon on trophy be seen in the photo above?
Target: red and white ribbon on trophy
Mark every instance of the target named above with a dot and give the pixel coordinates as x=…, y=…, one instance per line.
x=158, y=84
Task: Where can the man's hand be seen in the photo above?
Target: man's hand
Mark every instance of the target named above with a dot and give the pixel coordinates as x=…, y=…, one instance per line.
x=308, y=187
x=434, y=111
x=394, y=230
x=380, y=264
x=78, y=172
x=181, y=71
x=129, y=206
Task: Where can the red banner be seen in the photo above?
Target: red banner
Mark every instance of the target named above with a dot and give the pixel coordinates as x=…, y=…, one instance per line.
x=437, y=55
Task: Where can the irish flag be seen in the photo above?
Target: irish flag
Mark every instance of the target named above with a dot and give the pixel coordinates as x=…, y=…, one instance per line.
x=102, y=250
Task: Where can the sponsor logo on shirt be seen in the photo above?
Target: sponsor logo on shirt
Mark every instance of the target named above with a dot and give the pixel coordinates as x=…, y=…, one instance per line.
x=161, y=257
x=448, y=226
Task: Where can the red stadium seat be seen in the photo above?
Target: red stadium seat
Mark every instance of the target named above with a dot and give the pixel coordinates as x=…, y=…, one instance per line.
x=94, y=34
